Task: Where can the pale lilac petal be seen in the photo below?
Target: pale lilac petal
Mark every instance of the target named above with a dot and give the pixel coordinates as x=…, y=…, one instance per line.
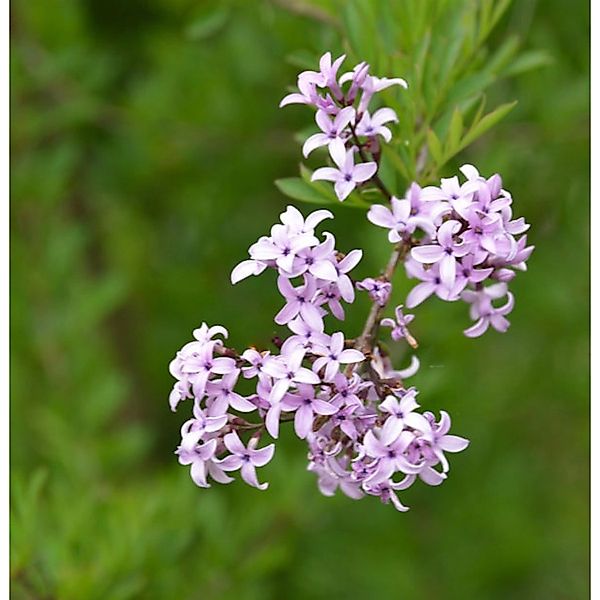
x=323, y=408
x=364, y=171
x=350, y=356
x=337, y=150
x=248, y=473
x=343, y=189
x=326, y=173
x=323, y=269
x=477, y=329
x=452, y=443
x=303, y=421
x=233, y=443
x=198, y=473
x=314, y=141
x=427, y=254
x=419, y=293
x=262, y=456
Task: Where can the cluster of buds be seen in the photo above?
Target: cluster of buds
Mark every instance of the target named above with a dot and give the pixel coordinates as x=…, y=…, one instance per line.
x=361, y=423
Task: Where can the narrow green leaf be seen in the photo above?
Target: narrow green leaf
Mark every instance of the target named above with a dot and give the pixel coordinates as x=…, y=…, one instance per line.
x=298, y=189
x=455, y=131
x=435, y=147
x=491, y=119
x=528, y=61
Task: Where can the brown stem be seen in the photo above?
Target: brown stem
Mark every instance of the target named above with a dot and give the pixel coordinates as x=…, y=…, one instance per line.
x=364, y=342
x=375, y=179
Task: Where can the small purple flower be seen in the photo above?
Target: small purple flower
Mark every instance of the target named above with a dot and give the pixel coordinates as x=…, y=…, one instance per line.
x=201, y=457
x=444, y=253
x=318, y=261
x=305, y=336
x=343, y=267
x=431, y=283
x=399, y=220
x=438, y=441
x=331, y=129
x=401, y=414
x=379, y=290
x=347, y=175
x=306, y=406
x=288, y=370
x=334, y=355
x=389, y=450
x=400, y=326
x=483, y=311
x=298, y=302
x=370, y=126
x=221, y=396
x=246, y=458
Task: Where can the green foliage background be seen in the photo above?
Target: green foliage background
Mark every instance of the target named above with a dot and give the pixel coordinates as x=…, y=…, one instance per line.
x=145, y=141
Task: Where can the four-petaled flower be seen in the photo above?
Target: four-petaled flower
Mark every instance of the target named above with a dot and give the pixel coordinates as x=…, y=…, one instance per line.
x=347, y=175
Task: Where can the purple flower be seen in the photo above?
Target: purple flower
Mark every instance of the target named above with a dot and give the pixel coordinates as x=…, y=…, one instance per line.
x=221, y=396
x=371, y=85
x=399, y=220
x=305, y=336
x=318, y=261
x=484, y=312
x=401, y=414
x=201, y=457
x=379, y=290
x=281, y=247
x=343, y=267
x=298, y=302
x=333, y=355
x=400, y=326
x=327, y=74
x=431, y=283
x=438, y=441
x=389, y=450
x=444, y=253
x=246, y=458
x=288, y=370
x=195, y=363
x=370, y=126
x=306, y=406
x=331, y=129
x=466, y=273
x=347, y=175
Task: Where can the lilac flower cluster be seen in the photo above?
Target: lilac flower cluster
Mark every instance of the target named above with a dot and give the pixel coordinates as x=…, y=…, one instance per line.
x=347, y=128
x=361, y=423
x=357, y=417
x=461, y=236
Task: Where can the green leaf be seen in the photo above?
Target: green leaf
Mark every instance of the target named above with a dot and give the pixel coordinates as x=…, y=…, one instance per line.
x=491, y=119
x=455, y=131
x=298, y=189
x=528, y=61
x=435, y=147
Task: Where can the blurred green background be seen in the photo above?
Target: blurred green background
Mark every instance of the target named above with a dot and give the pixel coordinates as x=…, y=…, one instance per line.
x=145, y=141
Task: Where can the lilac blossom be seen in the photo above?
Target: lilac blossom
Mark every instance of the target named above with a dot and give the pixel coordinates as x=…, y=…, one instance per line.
x=287, y=371
x=364, y=430
x=331, y=129
x=306, y=407
x=348, y=174
x=399, y=220
x=370, y=126
x=246, y=458
x=334, y=355
x=484, y=312
x=379, y=290
x=400, y=326
x=444, y=253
